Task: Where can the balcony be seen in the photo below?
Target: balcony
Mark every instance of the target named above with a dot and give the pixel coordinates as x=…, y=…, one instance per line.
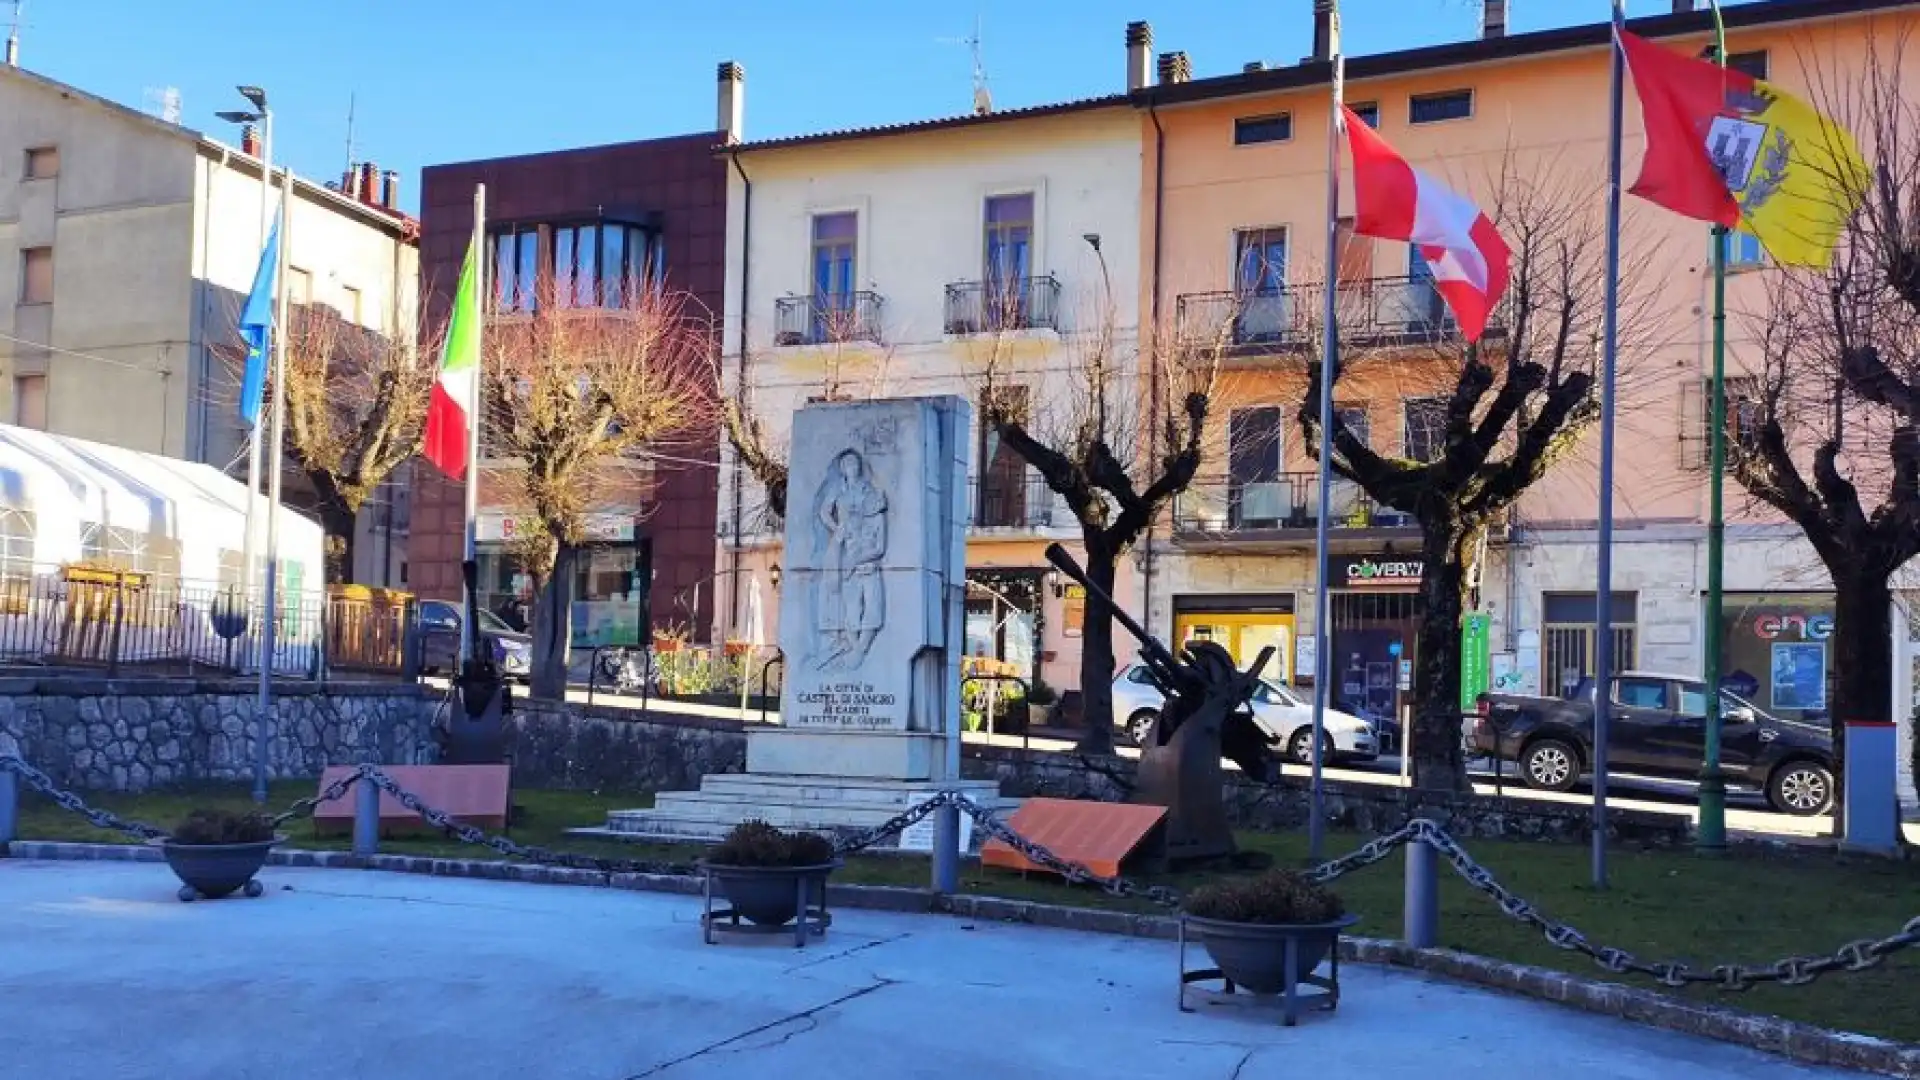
x=828, y=319
x=1282, y=511
x=995, y=307
x=1005, y=501
x=1375, y=312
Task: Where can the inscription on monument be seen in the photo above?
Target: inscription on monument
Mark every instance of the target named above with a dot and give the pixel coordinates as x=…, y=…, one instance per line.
x=845, y=704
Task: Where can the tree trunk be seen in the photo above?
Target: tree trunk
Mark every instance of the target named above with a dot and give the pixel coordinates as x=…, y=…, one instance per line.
x=1860, y=678
x=1449, y=549
x=553, y=628
x=1096, y=651
x=338, y=523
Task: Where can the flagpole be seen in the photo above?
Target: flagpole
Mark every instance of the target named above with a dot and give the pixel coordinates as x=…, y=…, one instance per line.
x=469, y=548
x=1603, y=598
x=269, y=616
x=250, y=547
x=1322, y=620
x=1711, y=836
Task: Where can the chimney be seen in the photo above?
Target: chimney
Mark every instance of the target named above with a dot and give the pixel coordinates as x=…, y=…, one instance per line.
x=1681, y=7
x=350, y=179
x=390, y=190
x=1322, y=30
x=1175, y=68
x=732, y=122
x=369, y=183
x=1493, y=19
x=1139, y=47
x=250, y=141
x=1252, y=66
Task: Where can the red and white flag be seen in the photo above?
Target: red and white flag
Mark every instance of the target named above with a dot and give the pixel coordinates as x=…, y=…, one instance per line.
x=1393, y=200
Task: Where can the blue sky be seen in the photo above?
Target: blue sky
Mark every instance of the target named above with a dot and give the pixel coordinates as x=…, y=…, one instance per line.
x=449, y=80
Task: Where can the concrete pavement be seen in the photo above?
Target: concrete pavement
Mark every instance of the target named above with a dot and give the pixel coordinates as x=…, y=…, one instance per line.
x=103, y=974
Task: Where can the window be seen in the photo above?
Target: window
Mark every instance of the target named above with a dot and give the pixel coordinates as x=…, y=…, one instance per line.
x=1566, y=654
x=1426, y=429
x=17, y=529
x=1248, y=130
x=1433, y=108
x=1260, y=262
x=1002, y=498
x=43, y=163
x=1139, y=675
x=580, y=264
x=835, y=241
x=1693, y=701
x=1745, y=413
x=36, y=275
x=1009, y=259
x=1749, y=63
x=1257, y=498
x=1744, y=251
x=350, y=303
x=1642, y=693
x=299, y=287
x=1368, y=112
x=30, y=401
x=101, y=545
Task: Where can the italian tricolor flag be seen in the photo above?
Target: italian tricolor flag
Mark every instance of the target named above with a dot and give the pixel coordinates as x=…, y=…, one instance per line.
x=454, y=407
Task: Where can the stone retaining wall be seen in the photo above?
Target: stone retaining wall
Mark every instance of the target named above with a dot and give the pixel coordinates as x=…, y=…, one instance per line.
x=597, y=748
x=1368, y=808
x=95, y=734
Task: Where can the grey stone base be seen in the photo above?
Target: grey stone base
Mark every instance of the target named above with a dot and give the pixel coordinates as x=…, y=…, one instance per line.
x=1786, y=1038
x=829, y=804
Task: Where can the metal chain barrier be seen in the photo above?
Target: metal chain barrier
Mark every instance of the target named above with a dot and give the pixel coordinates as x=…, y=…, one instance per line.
x=67, y=800
x=1859, y=955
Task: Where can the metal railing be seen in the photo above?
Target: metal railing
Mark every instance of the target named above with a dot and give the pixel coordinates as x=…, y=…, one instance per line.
x=103, y=618
x=1283, y=502
x=1019, y=500
x=1375, y=311
x=828, y=318
x=991, y=307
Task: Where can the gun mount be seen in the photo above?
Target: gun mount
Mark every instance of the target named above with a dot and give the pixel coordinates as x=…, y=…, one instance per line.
x=1206, y=715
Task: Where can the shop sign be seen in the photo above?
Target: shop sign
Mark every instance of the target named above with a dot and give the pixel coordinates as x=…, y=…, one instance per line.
x=506, y=528
x=1476, y=659
x=1376, y=572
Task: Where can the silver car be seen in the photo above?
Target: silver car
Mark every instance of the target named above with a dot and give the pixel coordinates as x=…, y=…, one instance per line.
x=1287, y=720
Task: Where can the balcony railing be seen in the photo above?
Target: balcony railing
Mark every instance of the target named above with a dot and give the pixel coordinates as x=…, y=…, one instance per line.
x=1289, y=501
x=1013, y=501
x=1376, y=311
x=993, y=307
x=828, y=318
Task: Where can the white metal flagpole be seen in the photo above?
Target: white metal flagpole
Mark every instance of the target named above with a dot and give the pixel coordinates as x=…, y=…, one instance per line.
x=469, y=635
x=1322, y=618
x=269, y=615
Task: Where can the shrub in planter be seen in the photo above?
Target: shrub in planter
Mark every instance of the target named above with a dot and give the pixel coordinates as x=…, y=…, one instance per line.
x=1245, y=924
x=758, y=867
x=216, y=853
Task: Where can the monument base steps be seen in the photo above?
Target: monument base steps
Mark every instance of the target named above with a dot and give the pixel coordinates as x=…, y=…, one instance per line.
x=829, y=804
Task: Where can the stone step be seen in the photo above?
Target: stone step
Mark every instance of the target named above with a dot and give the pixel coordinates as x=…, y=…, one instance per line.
x=710, y=822
x=698, y=807
x=825, y=789
x=681, y=801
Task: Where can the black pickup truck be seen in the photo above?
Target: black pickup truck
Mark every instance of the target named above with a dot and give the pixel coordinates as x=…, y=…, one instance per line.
x=1657, y=726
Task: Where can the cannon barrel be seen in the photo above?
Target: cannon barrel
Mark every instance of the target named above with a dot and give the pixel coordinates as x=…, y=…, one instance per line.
x=1154, y=653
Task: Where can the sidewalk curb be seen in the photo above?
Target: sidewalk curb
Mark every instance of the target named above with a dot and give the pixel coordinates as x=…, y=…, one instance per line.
x=1790, y=1039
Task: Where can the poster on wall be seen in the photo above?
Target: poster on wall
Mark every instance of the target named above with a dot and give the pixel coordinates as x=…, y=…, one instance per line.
x=1799, y=675
x=1073, y=611
x=1305, y=649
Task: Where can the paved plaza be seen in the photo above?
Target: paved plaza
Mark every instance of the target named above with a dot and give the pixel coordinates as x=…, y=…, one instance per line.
x=103, y=974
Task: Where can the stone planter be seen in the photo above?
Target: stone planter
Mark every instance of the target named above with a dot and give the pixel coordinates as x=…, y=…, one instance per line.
x=1266, y=960
x=213, y=871
x=766, y=899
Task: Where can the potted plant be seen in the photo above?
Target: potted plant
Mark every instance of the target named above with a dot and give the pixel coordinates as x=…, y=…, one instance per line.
x=216, y=853
x=768, y=876
x=1250, y=926
x=1040, y=701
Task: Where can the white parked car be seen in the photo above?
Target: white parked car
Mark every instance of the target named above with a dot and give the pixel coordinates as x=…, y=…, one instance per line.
x=1287, y=720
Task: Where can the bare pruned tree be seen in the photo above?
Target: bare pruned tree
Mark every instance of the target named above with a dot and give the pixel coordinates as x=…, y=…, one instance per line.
x=356, y=401
x=1497, y=415
x=1831, y=436
x=1117, y=426
x=580, y=401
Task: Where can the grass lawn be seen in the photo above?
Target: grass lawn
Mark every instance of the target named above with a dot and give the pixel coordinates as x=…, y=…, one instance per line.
x=1745, y=908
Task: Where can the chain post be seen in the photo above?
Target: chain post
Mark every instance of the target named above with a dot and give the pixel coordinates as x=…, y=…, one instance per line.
x=1422, y=916
x=366, y=817
x=946, y=846
x=9, y=805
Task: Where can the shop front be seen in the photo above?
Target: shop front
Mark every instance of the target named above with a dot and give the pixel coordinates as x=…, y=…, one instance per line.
x=1775, y=651
x=1375, y=609
x=1004, y=618
x=606, y=597
x=1243, y=625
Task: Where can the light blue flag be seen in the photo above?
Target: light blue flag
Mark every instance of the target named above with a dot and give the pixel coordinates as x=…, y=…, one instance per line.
x=256, y=326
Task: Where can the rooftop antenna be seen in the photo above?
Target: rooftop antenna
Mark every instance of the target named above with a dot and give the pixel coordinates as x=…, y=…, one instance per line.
x=982, y=96
x=13, y=34
x=350, y=104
